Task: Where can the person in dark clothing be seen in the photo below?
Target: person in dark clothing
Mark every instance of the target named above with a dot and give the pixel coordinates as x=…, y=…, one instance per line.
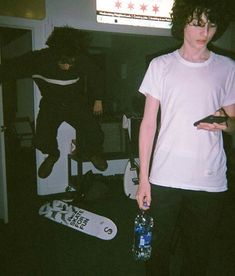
x=65, y=75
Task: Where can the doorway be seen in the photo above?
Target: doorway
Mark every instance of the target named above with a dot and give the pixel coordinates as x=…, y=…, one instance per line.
x=18, y=104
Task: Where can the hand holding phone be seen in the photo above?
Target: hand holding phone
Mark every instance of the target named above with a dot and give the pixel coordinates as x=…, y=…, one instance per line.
x=212, y=119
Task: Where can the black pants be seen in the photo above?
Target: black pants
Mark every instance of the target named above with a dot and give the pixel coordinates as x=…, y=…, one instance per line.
x=79, y=116
x=194, y=215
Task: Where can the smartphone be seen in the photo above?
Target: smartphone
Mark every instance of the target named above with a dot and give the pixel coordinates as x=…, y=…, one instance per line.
x=212, y=119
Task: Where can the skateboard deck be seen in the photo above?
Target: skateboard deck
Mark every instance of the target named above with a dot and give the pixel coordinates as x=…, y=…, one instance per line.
x=79, y=219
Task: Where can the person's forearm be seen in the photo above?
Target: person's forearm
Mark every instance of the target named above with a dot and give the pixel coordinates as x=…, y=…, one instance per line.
x=146, y=138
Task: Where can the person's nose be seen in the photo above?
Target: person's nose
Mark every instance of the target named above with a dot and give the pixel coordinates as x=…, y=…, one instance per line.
x=205, y=29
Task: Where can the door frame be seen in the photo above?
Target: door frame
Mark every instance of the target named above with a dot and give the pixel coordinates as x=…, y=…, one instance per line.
x=37, y=29
x=3, y=179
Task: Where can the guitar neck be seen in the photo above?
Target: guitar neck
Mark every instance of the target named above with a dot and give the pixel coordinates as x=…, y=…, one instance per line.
x=130, y=152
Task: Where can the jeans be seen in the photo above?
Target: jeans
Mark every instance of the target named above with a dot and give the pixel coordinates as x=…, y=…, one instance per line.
x=190, y=215
x=79, y=116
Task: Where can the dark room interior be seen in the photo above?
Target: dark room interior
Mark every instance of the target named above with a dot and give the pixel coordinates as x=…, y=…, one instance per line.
x=34, y=245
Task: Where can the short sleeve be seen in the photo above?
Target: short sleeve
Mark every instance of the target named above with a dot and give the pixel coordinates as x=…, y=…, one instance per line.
x=151, y=82
x=230, y=87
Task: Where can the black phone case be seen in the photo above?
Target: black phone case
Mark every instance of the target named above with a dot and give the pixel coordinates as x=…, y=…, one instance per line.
x=212, y=119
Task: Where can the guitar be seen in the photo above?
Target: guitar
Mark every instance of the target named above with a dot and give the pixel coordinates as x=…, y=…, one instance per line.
x=131, y=179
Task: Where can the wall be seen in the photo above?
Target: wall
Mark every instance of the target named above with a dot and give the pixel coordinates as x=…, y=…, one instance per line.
x=126, y=63
x=233, y=37
x=25, y=96
x=225, y=41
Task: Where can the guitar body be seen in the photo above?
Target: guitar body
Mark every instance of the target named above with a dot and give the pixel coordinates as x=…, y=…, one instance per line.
x=131, y=180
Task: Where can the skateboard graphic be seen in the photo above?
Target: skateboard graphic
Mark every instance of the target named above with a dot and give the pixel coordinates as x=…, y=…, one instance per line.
x=79, y=219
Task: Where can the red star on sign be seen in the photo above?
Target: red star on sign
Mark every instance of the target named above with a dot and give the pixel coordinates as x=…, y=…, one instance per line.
x=130, y=6
x=155, y=8
x=118, y=4
x=143, y=7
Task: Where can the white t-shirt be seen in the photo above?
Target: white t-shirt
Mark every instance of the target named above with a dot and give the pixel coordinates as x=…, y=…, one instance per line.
x=186, y=157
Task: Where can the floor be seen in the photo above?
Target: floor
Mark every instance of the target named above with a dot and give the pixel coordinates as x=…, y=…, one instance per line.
x=33, y=245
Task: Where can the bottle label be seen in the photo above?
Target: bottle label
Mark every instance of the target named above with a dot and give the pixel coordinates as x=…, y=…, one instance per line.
x=143, y=240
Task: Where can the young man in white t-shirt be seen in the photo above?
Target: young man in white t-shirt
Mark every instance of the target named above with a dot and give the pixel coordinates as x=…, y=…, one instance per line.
x=188, y=170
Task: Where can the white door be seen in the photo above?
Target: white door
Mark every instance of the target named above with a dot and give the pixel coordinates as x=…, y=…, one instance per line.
x=3, y=182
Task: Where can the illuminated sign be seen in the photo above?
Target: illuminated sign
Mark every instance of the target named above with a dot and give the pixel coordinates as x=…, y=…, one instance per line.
x=147, y=13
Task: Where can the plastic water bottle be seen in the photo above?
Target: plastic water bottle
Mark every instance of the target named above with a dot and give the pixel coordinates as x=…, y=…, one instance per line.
x=143, y=227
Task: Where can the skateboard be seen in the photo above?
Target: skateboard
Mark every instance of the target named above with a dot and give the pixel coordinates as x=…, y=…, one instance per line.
x=79, y=219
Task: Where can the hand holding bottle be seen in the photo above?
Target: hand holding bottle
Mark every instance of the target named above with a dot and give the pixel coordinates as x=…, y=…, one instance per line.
x=143, y=195
x=143, y=227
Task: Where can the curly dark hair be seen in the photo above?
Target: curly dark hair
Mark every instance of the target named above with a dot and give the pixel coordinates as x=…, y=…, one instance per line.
x=217, y=11
x=68, y=41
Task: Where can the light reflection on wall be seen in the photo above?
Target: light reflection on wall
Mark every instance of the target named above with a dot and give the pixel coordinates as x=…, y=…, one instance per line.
x=31, y=9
